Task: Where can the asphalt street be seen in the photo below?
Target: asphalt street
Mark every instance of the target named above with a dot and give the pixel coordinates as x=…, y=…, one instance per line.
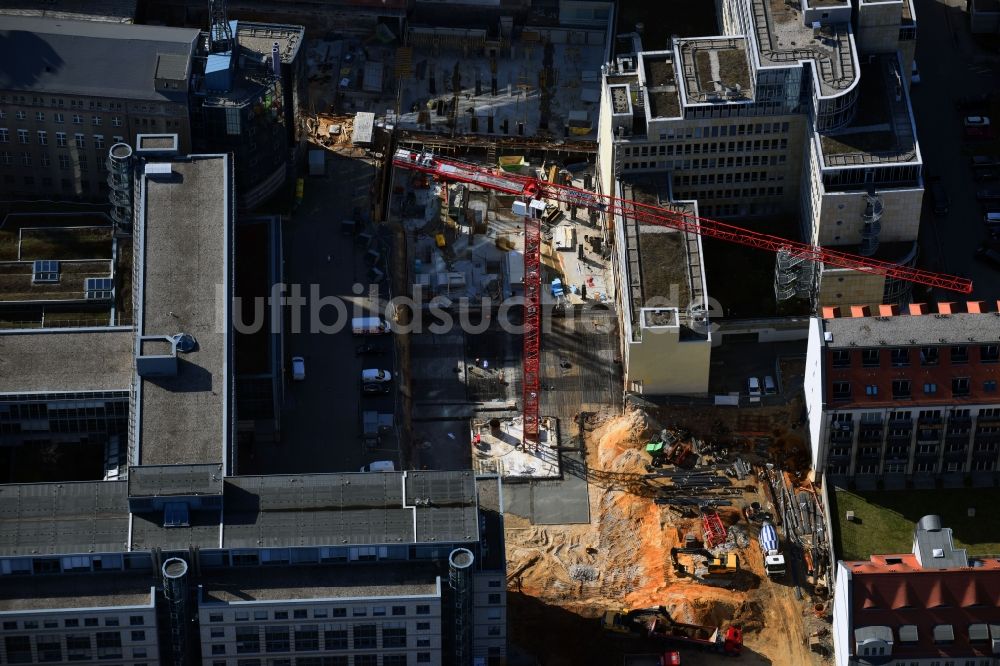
x=321, y=419
x=951, y=67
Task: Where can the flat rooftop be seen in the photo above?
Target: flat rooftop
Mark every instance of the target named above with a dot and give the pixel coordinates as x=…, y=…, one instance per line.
x=715, y=69
x=912, y=330
x=658, y=258
x=357, y=508
x=348, y=509
x=783, y=39
x=662, y=92
x=53, y=518
x=185, y=249
x=881, y=131
x=107, y=590
x=113, y=11
x=168, y=480
x=65, y=361
x=318, y=582
x=43, y=55
x=259, y=38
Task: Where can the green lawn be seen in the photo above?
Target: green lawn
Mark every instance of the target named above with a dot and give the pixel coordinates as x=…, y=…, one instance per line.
x=884, y=520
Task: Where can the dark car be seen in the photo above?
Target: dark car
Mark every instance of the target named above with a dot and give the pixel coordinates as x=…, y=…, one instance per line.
x=376, y=389
x=939, y=197
x=989, y=255
x=980, y=161
x=368, y=350
x=989, y=194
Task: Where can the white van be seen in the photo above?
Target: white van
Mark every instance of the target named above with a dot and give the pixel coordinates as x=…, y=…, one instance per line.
x=380, y=466
x=375, y=376
x=370, y=326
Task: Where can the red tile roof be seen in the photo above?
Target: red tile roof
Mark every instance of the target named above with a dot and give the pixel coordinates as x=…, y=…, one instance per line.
x=892, y=591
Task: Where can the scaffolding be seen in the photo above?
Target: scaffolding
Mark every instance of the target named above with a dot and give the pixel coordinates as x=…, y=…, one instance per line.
x=871, y=217
x=793, y=275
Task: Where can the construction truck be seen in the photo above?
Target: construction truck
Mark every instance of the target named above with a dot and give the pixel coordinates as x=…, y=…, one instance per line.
x=774, y=561
x=669, y=658
x=656, y=623
x=701, y=563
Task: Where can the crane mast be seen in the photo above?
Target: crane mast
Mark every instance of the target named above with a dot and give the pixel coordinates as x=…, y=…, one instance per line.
x=533, y=188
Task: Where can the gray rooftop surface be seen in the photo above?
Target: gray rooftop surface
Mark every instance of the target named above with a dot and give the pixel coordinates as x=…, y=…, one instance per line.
x=166, y=480
x=65, y=361
x=185, y=245
x=259, y=38
x=353, y=508
x=24, y=593
x=60, y=57
x=47, y=518
x=927, y=542
x=114, y=11
x=321, y=582
x=915, y=330
x=783, y=39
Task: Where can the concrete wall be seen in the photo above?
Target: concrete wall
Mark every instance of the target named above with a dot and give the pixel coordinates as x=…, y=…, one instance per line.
x=842, y=616
x=813, y=388
x=840, y=214
x=665, y=365
x=877, y=29
x=843, y=287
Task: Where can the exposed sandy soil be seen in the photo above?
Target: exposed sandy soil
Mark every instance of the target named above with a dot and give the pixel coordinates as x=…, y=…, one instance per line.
x=564, y=577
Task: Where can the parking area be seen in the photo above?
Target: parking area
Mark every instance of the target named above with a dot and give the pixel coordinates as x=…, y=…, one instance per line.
x=953, y=66
x=322, y=414
x=735, y=361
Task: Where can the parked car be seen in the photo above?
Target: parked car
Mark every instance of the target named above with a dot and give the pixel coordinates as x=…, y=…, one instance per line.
x=914, y=72
x=368, y=349
x=989, y=194
x=977, y=127
x=939, y=197
x=374, y=376
x=770, y=387
x=375, y=389
x=380, y=466
x=753, y=387
x=979, y=161
x=989, y=255
x=298, y=368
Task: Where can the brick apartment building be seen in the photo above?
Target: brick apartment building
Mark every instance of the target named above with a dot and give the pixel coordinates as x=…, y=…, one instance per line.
x=933, y=605
x=905, y=396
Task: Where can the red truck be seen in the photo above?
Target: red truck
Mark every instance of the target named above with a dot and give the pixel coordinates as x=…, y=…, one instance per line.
x=729, y=641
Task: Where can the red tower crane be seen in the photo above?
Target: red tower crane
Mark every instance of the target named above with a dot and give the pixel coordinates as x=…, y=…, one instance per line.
x=533, y=188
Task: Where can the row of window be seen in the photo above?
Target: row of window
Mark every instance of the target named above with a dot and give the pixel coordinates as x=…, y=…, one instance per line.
x=897, y=452
x=919, y=467
x=843, y=419
x=720, y=178
x=47, y=182
x=901, y=356
x=77, y=647
x=58, y=102
x=307, y=638
x=736, y=193
x=337, y=660
x=903, y=388
x=302, y=613
x=61, y=138
x=713, y=131
x=65, y=163
x=76, y=118
x=708, y=149
x=109, y=621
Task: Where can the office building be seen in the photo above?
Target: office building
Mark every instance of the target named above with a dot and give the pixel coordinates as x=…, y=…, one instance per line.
x=128, y=534
x=933, y=605
x=897, y=399
x=69, y=90
x=798, y=109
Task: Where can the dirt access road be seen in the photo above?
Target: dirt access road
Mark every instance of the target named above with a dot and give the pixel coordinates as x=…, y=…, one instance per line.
x=562, y=578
